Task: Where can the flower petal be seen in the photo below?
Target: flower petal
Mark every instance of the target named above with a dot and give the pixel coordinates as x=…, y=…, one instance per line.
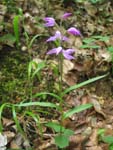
x=49, y=21
x=52, y=38
x=55, y=51
x=66, y=15
x=64, y=38
x=69, y=57
x=74, y=31
x=66, y=54
x=58, y=34
x=59, y=49
x=70, y=51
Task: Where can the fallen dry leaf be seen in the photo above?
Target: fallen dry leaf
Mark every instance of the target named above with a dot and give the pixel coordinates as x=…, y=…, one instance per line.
x=91, y=10
x=3, y=141
x=7, y=122
x=70, y=78
x=67, y=66
x=93, y=141
x=14, y=145
x=96, y=104
x=10, y=135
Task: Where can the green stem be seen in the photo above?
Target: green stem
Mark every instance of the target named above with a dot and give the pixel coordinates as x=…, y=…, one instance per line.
x=60, y=65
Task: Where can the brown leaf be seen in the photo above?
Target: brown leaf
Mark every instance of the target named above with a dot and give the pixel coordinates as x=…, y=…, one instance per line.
x=91, y=10
x=93, y=141
x=10, y=135
x=7, y=122
x=3, y=140
x=67, y=66
x=70, y=79
x=96, y=104
x=91, y=27
x=94, y=148
x=14, y=145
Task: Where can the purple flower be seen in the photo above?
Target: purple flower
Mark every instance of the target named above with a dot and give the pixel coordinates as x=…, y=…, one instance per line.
x=57, y=36
x=50, y=22
x=66, y=15
x=66, y=53
x=55, y=51
x=74, y=31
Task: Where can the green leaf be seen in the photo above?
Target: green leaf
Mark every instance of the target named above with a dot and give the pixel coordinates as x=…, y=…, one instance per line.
x=1, y=111
x=16, y=28
x=30, y=68
x=46, y=93
x=42, y=104
x=90, y=46
x=85, y=46
x=101, y=131
x=88, y=40
x=83, y=84
x=40, y=66
x=76, y=110
x=55, y=126
x=110, y=49
x=33, y=39
x=16, y=121
x=61, y=141
x=33, y=116
x=8, y=39
x=68, y=132
x=101, y=38
x=94, y=46
x=107, y=139
x=34, y=66
x=111, y=147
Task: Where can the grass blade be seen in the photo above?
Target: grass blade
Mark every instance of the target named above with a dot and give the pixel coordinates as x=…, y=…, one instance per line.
x=83, y=84
x=16, y=28
x=40, y=66
x=16, y=121
x=46, y=93
x=1, y=110
x=42, y=104
x=76, y=110
x=29, y=113
x=30, y=69
x=33, y=39
x=36, y=119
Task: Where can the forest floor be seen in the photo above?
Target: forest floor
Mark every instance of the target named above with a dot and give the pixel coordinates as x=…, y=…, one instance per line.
x=93, y=128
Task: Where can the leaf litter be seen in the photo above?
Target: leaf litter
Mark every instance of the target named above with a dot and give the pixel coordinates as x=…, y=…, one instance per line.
x=88, y=63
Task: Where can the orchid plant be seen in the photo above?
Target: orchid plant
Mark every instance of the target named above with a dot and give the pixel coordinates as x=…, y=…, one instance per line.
x=58, y=38
x=62, y=139
x=62, y=136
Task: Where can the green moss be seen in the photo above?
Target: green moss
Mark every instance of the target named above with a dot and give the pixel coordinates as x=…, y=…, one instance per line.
x=13, y=74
